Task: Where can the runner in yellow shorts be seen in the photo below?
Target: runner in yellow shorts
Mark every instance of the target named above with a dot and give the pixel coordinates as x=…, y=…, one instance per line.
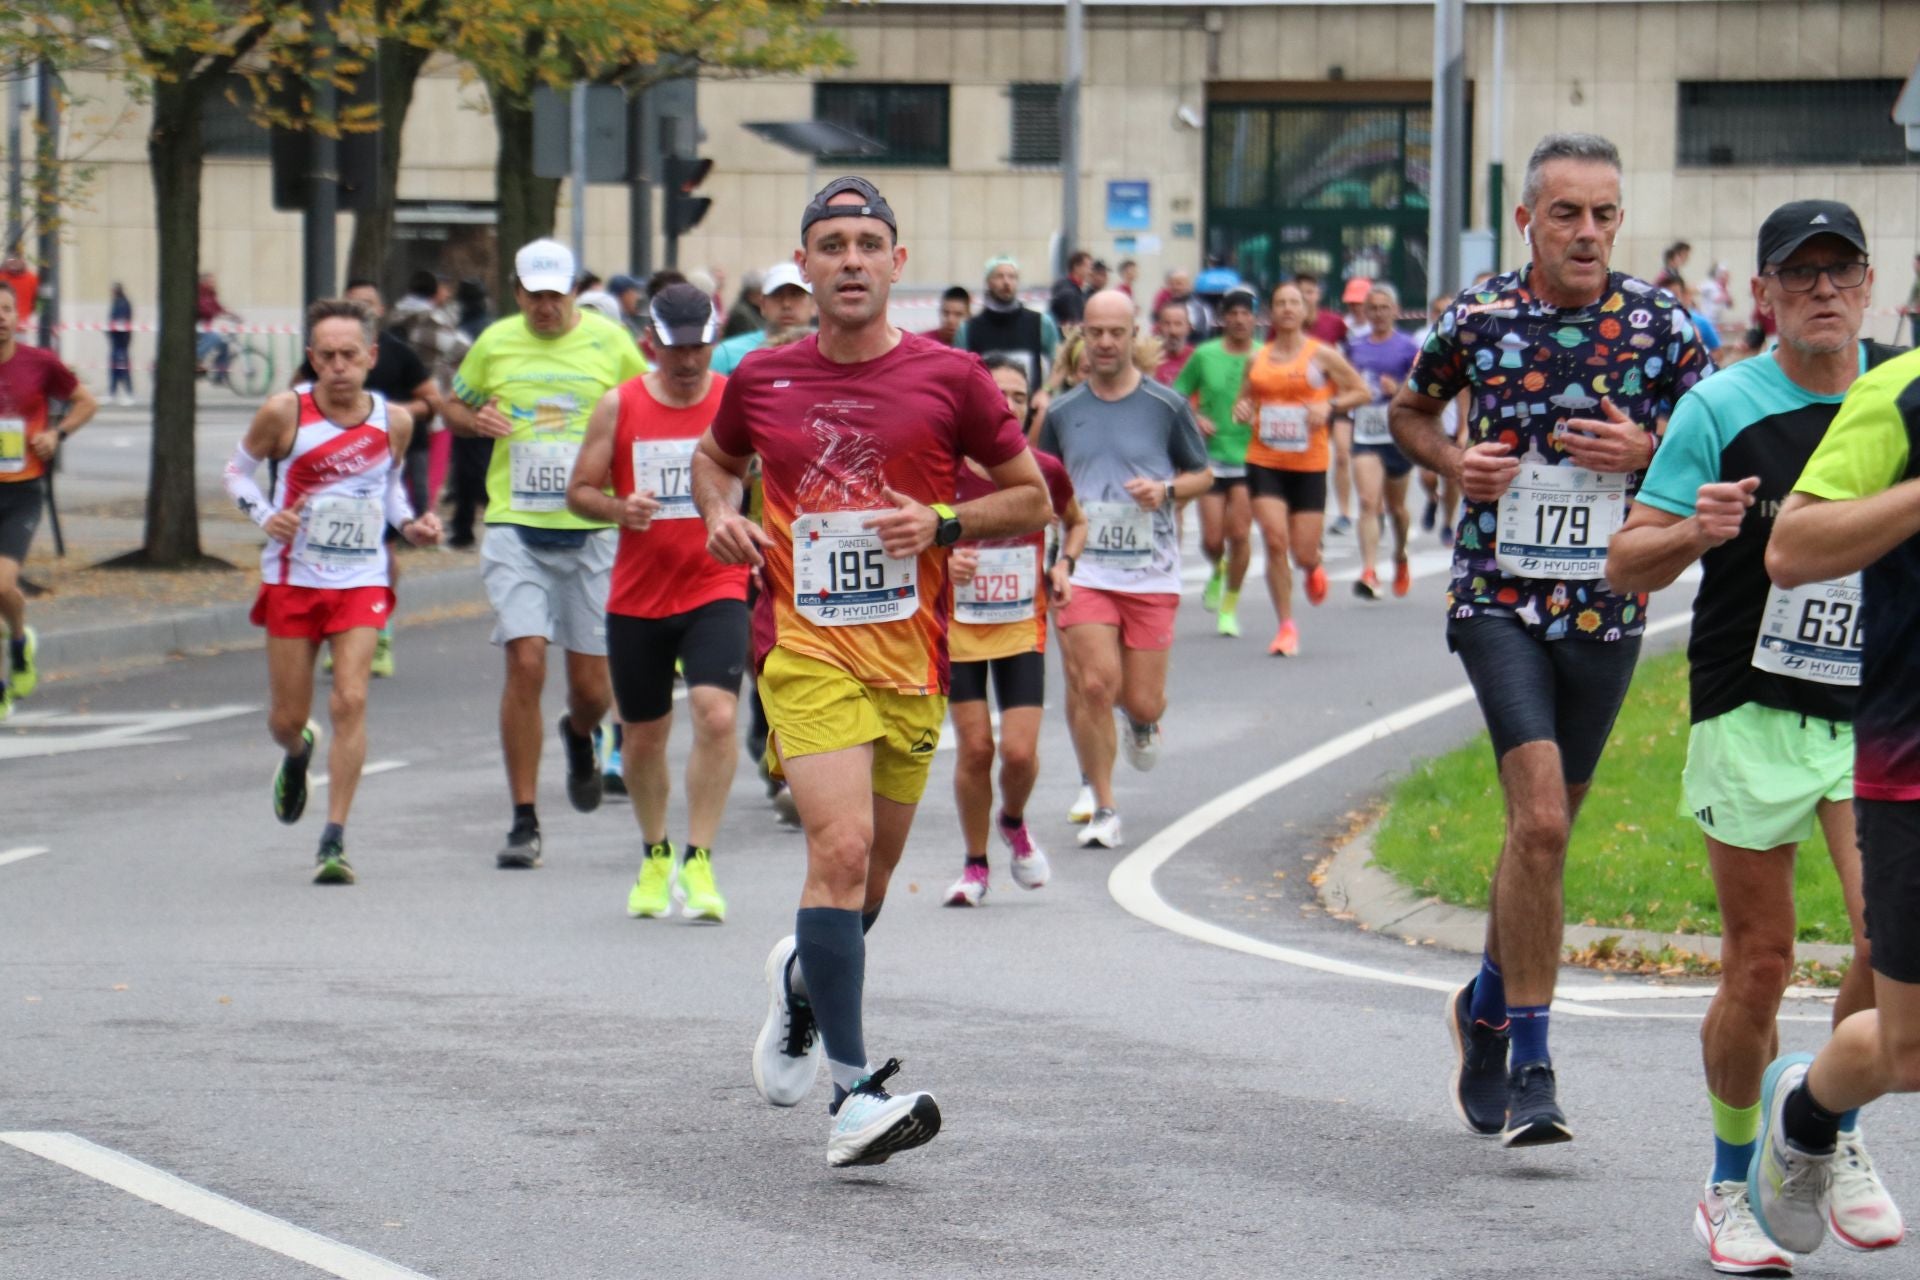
x=859, y=433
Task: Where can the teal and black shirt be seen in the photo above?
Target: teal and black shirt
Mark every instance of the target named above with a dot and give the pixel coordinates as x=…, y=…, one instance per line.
x=1750, y=419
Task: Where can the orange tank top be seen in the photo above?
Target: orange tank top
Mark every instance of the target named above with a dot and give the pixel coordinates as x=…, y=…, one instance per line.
x=1283, y=437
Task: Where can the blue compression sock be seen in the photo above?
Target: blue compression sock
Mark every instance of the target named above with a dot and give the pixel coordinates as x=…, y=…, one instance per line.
x=1489, y=1003
x=833, y=961
x=1528, y=1028
x=1731, y=1160
x=1850, y=1120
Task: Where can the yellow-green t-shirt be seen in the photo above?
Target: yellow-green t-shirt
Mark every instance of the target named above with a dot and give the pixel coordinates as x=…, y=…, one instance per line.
x=547, y=387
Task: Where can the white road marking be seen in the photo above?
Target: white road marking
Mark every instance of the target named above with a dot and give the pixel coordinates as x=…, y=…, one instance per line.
x=1131, y=881
x=378, y=766
x=156, y=1186
x=89, y=731
x=22, y=853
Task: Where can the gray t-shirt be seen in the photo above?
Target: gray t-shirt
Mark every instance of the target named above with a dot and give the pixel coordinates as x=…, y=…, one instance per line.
x=1105, y=443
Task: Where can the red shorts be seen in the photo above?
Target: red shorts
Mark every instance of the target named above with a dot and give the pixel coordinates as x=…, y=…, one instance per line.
x=1145, y=621
x=314, y=613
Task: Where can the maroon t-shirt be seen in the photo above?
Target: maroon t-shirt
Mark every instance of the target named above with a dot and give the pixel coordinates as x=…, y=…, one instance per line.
x=1330, y=327
x=831, y=438
x=28, y=380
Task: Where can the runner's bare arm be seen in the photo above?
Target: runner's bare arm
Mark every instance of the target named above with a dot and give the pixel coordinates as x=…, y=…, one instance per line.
x=421, y=528
x=465, y=420
x=269, y=436
x=1019, y=505
x=1483, y=471
x=423, y=403
x=1613, y=443
x=1351, y=390
x=587, y=495
x=1655, y=547
x=719, y=480
x=400, y=424
x=1815, y=540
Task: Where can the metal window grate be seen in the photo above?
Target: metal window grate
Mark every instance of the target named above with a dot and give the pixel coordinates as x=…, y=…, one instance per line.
x=1728, y=124
x=227, y=126
x=909, y=119
x=1035, y=124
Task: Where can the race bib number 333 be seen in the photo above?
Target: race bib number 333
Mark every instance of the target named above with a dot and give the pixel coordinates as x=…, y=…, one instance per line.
x=1555, y=521
x=843, y=577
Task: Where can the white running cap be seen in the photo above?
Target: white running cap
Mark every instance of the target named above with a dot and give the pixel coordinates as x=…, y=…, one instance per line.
x=544, y=266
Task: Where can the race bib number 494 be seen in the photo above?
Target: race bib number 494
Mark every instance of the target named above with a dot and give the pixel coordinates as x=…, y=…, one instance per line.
x=843, y=577
x=1555, y=521
x=540, y=470
x=1812, y=632
x=665, y=469
x=1119, y=535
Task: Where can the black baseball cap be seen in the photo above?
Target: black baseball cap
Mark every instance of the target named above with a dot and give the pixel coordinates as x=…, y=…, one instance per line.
x=872, y=205
x=1239, y=296
x=680, y=315
x=1798, y=221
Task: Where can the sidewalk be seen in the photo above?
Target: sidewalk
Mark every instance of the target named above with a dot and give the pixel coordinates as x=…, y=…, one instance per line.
x=94, y=620
x=1354, y=888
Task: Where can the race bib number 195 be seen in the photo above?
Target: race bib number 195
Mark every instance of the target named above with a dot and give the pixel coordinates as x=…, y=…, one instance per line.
x=843, y=577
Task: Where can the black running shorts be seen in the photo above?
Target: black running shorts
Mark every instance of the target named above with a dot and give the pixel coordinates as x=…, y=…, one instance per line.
x=1889, y=833
x=1302, y=491
x=21, y=503
x=1019, y=681
x=1566, y=692
x=710, y=643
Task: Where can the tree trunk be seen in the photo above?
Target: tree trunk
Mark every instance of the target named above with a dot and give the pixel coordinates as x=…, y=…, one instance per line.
x=527, y=203
x=399, y=67
x=174, y=156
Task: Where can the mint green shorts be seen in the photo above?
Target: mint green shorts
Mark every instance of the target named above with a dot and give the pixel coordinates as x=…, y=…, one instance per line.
x=1755, y=776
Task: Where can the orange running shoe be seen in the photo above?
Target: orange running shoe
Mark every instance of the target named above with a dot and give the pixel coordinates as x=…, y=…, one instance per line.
x=1402, y=577
x=1286, y=642
x=1316, y=584
x=1368, y=586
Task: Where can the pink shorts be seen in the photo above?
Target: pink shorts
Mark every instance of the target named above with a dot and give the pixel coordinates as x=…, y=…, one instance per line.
x=1145, y=621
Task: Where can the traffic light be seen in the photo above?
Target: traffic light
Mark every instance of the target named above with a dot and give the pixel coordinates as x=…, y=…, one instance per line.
x=358, y=153
x=685, y=209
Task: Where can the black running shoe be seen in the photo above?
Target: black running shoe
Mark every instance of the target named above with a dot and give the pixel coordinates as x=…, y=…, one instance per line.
x=1479, y=1084
x=584, y=783
x=290, y=778
x=521, y=852
x=331, y=865
x=1534, y=1118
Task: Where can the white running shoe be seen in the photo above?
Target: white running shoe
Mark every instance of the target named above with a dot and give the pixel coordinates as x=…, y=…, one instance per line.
x=1029, y=862
x=786, y=1055
x=970, y=888
x=1788, y=1185
x=1101, y=833
x=1860, y=1213
x=872, y=1124
x=1142, y=745
x=1083, y=805
x=1723, y=1221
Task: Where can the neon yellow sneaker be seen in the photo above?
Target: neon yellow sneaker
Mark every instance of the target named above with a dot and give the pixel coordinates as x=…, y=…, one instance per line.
x=1230, y=614
x=26, y=672
x=652, y=893
x=701, y=896
x=1210, y=598
x=382, y=666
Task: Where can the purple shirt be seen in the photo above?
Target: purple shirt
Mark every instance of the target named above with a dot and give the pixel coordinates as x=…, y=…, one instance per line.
x=1393, y=357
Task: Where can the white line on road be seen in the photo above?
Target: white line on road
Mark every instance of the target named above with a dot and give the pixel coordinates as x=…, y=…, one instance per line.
x=22, y=853
x=156, y=1186
x=1131, y=881
x=378, y=766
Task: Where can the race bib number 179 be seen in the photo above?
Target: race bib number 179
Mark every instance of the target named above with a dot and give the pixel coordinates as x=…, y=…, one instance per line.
x=1555, y=521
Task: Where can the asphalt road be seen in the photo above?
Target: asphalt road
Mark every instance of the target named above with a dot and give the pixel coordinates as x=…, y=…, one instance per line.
x=470, y=1073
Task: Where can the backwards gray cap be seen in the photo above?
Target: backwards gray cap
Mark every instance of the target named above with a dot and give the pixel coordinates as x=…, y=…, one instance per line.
x=872, y=205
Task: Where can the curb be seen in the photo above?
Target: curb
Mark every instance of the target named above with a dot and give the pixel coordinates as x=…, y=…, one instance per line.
x=1356, y=889
x=217, y=628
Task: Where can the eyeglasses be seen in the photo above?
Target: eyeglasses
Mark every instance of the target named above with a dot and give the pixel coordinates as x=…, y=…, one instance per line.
x=1844, y=275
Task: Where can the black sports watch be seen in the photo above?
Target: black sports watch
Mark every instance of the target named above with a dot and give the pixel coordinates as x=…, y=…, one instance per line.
x=949, y=531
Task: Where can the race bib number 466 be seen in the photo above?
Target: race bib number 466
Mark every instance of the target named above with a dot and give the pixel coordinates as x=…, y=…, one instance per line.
x=1555, y=521
x=540, y=470
x=843, y=577
x=1812, y=632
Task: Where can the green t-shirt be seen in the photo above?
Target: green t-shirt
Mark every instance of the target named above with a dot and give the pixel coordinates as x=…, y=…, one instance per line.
x=1217, y=374
x=547, y=387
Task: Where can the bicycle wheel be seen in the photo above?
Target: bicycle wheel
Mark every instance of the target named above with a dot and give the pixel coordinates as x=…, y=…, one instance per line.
x=251, y=373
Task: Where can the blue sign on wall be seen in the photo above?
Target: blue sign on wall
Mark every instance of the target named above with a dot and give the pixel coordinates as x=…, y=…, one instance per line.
x=1129, y=206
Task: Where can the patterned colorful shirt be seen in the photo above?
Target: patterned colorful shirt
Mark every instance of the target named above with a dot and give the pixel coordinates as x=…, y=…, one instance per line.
x=1530, y=366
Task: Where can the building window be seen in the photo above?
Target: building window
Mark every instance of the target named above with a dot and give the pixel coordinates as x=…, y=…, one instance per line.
x=910, y=120
x=1036, y=124
x=1731, y=124
x=227, y=124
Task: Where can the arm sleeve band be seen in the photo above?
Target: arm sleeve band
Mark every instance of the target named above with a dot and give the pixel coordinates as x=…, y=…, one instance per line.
x=240, y=485
x=399, y=506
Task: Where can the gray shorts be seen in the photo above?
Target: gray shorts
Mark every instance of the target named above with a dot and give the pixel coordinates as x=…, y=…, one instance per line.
x=557, y=594
x=21, y=503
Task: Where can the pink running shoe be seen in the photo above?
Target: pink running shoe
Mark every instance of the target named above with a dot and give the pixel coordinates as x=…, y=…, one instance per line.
x=1030, y=868
x=969, y=889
